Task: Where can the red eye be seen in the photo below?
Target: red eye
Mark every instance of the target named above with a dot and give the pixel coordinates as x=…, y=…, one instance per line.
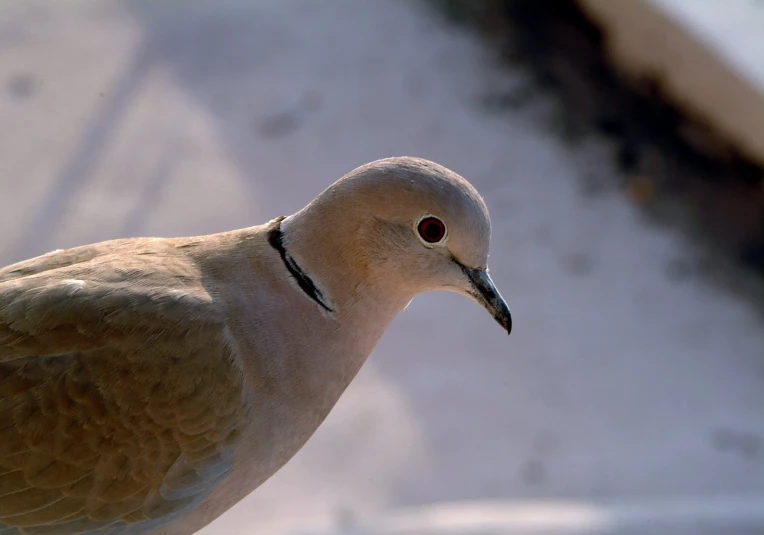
x=431, y=229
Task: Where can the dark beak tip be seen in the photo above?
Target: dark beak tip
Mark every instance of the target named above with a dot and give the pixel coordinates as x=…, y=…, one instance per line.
x=484, y=291
x=507, y=324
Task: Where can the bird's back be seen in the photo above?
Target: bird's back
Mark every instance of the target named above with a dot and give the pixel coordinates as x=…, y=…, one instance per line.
x=120, y=402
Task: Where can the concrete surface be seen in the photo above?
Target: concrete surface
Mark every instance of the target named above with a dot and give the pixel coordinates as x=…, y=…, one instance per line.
x=736, y=516
x=632, y=375
x=707, y=54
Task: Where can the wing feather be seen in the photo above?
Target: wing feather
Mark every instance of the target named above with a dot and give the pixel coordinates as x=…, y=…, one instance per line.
x=120, y=400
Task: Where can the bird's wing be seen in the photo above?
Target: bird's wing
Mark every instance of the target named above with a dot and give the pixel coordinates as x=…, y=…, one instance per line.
x=119, y=398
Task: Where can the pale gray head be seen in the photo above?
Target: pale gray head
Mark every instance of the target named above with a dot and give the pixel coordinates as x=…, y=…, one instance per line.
x=401, y=226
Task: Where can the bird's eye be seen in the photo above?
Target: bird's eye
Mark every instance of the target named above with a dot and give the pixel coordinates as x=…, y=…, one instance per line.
x=431, y=229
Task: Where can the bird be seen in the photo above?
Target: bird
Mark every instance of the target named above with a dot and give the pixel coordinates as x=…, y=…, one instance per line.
x=149, y=384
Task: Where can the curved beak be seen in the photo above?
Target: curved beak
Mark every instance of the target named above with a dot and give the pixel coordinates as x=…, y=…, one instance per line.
x=485, y=292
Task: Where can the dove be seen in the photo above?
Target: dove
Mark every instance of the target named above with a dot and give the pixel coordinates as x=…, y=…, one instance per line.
x=149, y=384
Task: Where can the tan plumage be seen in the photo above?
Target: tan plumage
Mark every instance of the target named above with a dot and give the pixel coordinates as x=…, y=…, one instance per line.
x=147, y=385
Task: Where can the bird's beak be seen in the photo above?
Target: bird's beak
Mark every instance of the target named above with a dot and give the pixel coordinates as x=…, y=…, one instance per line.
x=485, y=292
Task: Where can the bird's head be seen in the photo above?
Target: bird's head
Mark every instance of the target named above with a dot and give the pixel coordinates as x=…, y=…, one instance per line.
x=403, y=226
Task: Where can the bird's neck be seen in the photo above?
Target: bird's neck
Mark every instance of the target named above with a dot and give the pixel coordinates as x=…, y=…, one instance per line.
x=352, y=308
x=320, y=249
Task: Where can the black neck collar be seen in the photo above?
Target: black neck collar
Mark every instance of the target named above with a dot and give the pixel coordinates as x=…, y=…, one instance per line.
x=276, y=240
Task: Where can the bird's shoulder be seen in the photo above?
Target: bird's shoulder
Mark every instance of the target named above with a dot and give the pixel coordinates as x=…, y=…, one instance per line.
x=108, y=292
x=124, y=395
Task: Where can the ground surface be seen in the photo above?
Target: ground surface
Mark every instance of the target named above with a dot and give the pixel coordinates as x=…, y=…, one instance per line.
x=631, y=377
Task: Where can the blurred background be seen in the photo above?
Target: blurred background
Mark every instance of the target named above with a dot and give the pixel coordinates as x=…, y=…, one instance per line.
x=627, y=220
